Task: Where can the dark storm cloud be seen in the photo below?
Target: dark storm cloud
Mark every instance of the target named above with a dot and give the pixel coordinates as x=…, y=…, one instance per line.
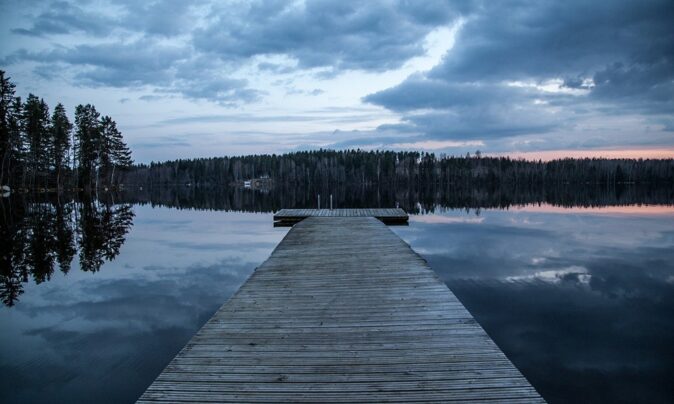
x=619, y=54
x=327, y=33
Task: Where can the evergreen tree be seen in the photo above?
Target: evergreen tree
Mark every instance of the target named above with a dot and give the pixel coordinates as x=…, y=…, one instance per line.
x=60, y=151
x=119, y=152
x=36, y=149
x=38, y=135
x=6, y=147
x=18, y=143
x=88, y=142
x=105, y=155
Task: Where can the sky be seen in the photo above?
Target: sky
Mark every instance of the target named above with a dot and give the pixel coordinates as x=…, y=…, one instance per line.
x=525, y=78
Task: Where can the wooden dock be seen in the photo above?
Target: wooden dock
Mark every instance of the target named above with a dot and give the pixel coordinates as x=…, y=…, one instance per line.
x=390, y=216
x=342, y=311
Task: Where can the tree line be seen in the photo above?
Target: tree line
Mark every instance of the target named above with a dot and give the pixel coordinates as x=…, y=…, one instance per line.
x=324, y=169
x=39, y=150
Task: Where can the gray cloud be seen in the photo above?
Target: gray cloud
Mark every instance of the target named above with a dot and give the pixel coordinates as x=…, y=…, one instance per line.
x=608, y=60
x=162, y=18
x=136, y=63
x=150, y=97
x=310, y=116
x=617, y=56
x=62, y=17
x=224, y=90
x=327, y=33
x=421, y=92
x=275, y=68
x=170, y=69
x=217, y=38
x=134, y=53
x=165, y=18
x=648, y=87
x=465, y=110
x=525, y=39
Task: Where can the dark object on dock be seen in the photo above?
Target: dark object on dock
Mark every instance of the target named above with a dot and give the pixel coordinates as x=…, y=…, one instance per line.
x=343, y=310
x=392, y=216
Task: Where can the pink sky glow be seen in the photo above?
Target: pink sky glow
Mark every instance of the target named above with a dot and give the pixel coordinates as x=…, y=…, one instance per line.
x=547, y=155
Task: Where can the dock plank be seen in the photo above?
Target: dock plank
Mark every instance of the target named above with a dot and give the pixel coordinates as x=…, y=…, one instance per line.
x=342, y=311
x=386, y=215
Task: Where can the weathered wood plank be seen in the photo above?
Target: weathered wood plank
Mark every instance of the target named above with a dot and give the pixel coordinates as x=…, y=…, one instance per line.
x=342, y=311
x=389, y=216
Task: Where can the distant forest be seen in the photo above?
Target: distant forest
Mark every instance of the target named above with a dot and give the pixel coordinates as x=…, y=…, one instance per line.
x=326, y=169
x=39, y=151
x=43, y=151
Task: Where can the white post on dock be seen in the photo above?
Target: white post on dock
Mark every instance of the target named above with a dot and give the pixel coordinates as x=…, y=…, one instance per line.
x=319, y=201
x=330, y=201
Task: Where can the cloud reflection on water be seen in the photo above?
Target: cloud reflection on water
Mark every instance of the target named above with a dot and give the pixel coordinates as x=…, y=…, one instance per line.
x=579, y=300
x=104, y=338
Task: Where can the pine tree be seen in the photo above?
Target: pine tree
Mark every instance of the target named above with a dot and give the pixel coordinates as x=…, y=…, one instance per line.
x=87, y=142
x=120, y=152
x=60, y=134
x=105, y=155
x=6, y=147
x=35, y=145
x=114, y=152
x=18, y=143
x=36, y=127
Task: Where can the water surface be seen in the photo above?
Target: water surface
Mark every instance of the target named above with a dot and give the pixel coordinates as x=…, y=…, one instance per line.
x=98, y=297
x=581, y=300
x=104, y=336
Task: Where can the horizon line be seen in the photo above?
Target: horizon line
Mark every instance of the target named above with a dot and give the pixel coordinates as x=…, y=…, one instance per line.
x=544, y=155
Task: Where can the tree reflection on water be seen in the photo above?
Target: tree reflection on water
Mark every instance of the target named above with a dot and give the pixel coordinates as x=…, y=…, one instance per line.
x=41, y=236
x=41, y=233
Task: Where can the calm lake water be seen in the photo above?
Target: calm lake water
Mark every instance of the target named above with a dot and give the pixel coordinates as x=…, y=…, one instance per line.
x=580, y=299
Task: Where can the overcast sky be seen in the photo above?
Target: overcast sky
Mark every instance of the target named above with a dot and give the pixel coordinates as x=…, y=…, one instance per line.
x=528, y=78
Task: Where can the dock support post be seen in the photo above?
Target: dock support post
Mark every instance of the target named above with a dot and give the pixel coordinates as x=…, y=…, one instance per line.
x=319, y=201
x=330, y=201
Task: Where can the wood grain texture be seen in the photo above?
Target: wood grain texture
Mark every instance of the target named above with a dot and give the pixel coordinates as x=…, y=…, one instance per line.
x=342, y=311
